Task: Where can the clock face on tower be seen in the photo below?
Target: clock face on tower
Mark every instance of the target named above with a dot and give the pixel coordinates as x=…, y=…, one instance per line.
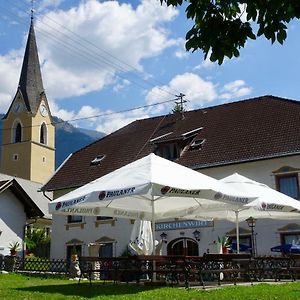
x=43, y=110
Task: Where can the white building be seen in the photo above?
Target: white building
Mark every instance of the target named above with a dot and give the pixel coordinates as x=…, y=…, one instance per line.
x=21, y=206
x=258, y=138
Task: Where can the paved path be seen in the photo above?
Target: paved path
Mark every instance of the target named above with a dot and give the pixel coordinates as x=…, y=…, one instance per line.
x=214, y=285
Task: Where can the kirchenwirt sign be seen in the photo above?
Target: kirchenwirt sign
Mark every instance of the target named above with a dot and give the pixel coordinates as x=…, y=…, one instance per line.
x=175, y=225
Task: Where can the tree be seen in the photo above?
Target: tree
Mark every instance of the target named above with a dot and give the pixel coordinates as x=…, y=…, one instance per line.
x=222, y=27
x=36, y=238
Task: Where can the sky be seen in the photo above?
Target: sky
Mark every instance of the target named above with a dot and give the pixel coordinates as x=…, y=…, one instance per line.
x=106, y=58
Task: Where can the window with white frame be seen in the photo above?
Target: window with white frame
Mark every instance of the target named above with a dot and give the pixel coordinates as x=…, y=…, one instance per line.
x=74, y=219
x=290, y=238
x=288, y=184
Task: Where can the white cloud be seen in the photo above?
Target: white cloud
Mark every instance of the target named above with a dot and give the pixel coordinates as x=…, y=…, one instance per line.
x=235, y=89
x=115, y=32
x=5, y=101
x=243, y=14
x=197, y=91
x=61, y=113
x=206, y=64
x=9, y=75
x=105, y=35
x=181, y=51
x=96, y=119
x=121, y=85
x=115, y=121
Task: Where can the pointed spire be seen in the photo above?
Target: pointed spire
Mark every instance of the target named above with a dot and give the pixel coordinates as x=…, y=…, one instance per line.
x=31, y=84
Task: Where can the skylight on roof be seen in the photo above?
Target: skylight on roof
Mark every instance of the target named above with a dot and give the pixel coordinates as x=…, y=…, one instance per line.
x=97, y=160
x=197, y=143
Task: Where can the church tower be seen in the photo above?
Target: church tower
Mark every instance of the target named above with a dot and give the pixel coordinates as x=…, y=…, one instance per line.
x=28, y=135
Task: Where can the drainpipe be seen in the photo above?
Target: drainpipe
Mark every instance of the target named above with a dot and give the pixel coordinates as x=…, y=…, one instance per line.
x=44, y=193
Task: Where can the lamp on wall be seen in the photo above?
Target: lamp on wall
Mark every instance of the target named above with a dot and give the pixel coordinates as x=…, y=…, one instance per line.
x=196, y=234
x=164, y=237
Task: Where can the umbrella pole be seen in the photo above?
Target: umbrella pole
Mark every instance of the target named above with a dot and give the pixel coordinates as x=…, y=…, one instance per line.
x=153, y=239
x=237, y=232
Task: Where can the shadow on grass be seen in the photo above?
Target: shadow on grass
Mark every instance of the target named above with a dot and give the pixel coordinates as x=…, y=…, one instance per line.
x=88, y=291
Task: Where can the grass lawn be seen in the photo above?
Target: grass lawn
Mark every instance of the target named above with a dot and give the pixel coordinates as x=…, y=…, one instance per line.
x=14, y=286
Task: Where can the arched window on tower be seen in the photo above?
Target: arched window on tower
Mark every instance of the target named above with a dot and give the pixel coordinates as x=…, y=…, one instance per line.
x=43, y=134
x=18, y=133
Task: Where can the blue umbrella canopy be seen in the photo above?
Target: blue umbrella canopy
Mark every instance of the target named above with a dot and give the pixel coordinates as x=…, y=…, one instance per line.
x=286, y=248
x=243, y=247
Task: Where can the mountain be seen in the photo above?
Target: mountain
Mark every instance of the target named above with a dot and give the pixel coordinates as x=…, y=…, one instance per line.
x=68, y=138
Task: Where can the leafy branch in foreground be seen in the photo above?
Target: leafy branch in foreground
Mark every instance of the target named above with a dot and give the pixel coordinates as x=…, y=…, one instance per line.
x=222, y=27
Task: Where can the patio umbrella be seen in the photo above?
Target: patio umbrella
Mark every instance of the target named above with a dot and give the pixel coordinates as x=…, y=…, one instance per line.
x=151, y=188
x=269, y=203
x=287, y=248
x=242, y=247
x=141, y=238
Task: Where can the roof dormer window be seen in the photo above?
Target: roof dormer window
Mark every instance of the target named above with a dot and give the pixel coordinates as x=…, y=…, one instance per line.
x=170, y=151
x=196, y=144
x=96, y=161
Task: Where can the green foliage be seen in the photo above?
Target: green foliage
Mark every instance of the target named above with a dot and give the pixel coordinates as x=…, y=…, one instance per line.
x=222, y=27
x=178, y=108
x=224, y=241
x=125, y=252
x=35, y=237
x=14, y=246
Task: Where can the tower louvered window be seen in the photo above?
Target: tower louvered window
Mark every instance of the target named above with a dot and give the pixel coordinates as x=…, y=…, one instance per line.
x=18, y=133
x=43, y=134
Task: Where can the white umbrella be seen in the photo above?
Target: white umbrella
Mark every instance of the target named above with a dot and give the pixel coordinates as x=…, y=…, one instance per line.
x=269, y=203
x=267, y=199
x=141, y=238
x=151, y=188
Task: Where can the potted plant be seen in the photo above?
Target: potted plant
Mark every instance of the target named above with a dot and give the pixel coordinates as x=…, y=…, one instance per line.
x=14, y=247
x=74, y=255
x=225, y=243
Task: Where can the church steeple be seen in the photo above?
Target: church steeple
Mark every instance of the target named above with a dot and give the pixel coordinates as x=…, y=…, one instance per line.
x=30, y=83
x=28, y=135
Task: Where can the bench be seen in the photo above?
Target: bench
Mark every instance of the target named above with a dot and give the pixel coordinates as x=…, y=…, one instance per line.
x=218, y=267
x=294, y=267
x=109, y=269
x=170, y=269
x=270, y=267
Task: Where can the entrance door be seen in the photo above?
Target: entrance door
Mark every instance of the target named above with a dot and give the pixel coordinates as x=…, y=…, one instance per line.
x=183, y=246
x=106, y=250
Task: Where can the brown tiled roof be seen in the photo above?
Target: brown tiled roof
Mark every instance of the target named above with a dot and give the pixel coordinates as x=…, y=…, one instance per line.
x=247, y=130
